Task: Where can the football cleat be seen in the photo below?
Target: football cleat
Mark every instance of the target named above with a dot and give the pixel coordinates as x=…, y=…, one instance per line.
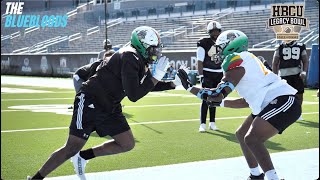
x=212, y=126
x=252, y=177
x=79, y=165
x=202, y=128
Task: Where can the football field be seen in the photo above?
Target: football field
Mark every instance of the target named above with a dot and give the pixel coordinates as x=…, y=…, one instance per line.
x=35, y=120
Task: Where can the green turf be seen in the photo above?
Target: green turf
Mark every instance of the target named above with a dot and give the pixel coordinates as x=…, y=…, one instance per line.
x=23, y=153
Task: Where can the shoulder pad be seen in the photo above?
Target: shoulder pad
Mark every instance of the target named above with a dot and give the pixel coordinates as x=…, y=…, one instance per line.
x=231, y=61
x=300, y=44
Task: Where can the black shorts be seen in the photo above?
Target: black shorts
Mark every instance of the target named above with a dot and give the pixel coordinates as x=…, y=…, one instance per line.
x=88, y=116
x=211, y=79
x=296, y=82
x=282, y=112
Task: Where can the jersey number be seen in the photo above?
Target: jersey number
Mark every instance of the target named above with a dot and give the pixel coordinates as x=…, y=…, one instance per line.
x=291, y=53
x=263, y=68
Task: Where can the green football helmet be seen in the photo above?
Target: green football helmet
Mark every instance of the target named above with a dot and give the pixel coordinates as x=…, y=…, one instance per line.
x=231, y=41
x=146, y=41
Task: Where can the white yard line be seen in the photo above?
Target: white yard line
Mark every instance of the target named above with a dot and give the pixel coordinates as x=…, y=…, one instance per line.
x=291, y=165
x=140, y=123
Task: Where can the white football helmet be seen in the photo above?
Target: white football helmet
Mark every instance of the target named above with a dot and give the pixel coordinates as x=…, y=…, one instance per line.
x=146, y=41
x=213, y=25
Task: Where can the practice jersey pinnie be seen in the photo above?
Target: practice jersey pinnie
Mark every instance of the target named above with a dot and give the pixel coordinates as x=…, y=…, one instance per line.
x=209, y=63
x=258, y=86
x=290, y=57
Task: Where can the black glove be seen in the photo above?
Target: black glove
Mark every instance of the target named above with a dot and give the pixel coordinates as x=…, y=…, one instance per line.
x=185, y=81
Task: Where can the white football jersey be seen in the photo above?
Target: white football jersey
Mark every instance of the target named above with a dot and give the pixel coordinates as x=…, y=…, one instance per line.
x=258, y=86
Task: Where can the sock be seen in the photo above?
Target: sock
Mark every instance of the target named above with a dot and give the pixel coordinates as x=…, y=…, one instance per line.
x=255, y=171
x=37, y=176
x=87, y=154
x=272, y=175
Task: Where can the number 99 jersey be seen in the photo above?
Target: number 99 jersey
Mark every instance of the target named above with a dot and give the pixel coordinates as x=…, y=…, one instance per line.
x=291, y=54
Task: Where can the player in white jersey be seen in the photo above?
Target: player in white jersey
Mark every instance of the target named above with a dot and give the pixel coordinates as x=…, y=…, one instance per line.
x=272, y=101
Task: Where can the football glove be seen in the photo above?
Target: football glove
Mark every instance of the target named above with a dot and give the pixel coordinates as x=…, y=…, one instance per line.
x=177, y=80
x=185, y=81
x=161, y=68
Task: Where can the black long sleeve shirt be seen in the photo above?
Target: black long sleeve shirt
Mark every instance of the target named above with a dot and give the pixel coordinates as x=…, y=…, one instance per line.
x=125, y=74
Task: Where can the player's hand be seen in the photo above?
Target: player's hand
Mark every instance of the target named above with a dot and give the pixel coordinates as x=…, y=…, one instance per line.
x=161, y=68
x=303, y=75
x=183, y=76
x=215, y=97
x=177, y=80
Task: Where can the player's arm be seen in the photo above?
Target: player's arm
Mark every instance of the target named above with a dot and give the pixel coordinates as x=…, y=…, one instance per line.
x=200, y=58
x=234, y=103
x=231, y=78
x=276, y=62
x=305, y=63
x=81, y=75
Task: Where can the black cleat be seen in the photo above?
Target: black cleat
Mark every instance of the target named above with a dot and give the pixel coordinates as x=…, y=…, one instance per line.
x=252, y=177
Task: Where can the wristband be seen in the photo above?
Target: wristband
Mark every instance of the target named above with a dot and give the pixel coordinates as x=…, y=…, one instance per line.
x=189, y=89
x=304, y=73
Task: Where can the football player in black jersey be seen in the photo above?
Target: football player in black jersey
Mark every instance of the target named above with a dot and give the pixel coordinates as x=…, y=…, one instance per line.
x=97, y=105
x=209, y=70
x=290, y=61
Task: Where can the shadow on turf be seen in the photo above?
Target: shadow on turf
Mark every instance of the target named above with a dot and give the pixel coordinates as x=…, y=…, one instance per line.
x=231, y=137
x=308, y=123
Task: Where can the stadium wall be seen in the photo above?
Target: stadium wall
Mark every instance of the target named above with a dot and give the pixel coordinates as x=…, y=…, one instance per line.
x=64, y=64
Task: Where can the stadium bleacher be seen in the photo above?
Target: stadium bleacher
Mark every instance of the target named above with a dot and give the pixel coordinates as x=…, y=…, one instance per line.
x=85, y=30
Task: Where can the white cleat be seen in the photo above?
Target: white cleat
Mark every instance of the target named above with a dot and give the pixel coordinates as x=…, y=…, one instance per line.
x=300, y=118
x=79, y=165
x=202, y=128
x=212, y=126
x=28, y=177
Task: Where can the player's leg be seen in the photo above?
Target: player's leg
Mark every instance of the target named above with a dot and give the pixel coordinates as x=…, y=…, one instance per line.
x=120, y=143
x=273, y=119
x=215, y=79
x=117, y=127
x=203, y=107
x=72, y=146
x=203, y=116
x=251, y=160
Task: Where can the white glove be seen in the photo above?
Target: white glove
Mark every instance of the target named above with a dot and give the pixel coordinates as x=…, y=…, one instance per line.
x=161, y=68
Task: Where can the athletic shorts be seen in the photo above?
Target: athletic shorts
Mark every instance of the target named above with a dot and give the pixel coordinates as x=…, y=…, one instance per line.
x=296, y=82
x=211, y=79
x=88, y=116
x=281, y=112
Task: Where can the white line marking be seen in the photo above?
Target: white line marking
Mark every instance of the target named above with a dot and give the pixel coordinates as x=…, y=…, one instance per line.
x=287, y=164
x=140, y=123
x=34, y=99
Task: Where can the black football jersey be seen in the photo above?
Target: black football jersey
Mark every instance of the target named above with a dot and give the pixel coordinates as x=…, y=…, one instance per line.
x=290, y=55
x=125, y=74
x=210, y=51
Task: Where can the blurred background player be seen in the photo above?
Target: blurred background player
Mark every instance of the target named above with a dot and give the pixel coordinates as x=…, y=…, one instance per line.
x=290, y=61
x=98, y=103
x=209, y=70
x=106, y=47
